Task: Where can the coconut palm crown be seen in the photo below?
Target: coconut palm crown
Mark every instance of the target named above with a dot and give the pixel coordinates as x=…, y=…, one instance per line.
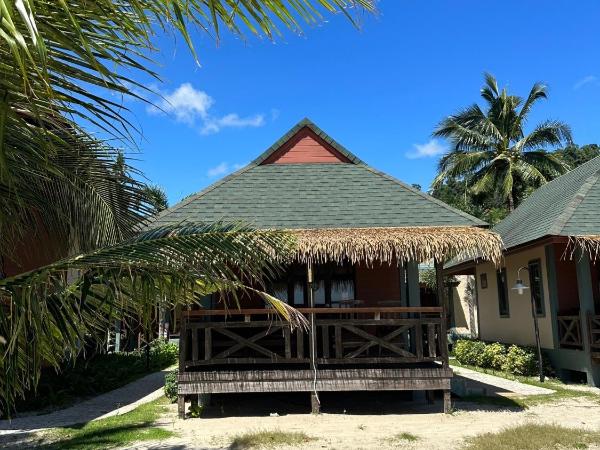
x=491, y=151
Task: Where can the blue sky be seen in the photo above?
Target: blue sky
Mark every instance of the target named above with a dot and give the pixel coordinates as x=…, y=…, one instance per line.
x=379, y=91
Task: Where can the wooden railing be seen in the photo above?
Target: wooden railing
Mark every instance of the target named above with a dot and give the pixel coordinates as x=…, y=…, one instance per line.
x=569, y=332
x=367, y=335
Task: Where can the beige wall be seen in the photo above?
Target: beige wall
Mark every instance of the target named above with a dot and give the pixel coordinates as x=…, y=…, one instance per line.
x=518, y=327
x=465, y=313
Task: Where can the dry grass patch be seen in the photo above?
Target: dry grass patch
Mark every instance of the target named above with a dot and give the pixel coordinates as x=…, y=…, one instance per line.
x=268, y=439
x=402, y=437
x=534, y=437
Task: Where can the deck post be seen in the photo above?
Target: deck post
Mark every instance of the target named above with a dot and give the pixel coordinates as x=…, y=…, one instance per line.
x=447, y=401
x=314, y=396
x=181, y=406
x=315, y=404
x=441, y=293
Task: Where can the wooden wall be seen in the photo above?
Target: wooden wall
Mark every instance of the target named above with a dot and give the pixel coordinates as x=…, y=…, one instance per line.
x=306, y=147
x=380, y=282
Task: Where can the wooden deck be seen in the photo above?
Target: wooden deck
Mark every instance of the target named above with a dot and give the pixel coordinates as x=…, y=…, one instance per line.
x=571, y=336
x=373, y=348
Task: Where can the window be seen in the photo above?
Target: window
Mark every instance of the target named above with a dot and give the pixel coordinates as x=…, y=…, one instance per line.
x=334, y=284
x=502, y=293
x=536, y=286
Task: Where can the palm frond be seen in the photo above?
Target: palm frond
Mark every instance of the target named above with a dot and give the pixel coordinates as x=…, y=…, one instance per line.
x=538, y=92
x=52, y=310
x=469, y=128
x=549, y=164
x=550, y=133
x=490, y=89
x=458, y=164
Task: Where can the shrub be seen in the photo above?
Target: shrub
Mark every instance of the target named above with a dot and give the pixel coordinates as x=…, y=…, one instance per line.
x=515, y=359
x=162, y=353
x=467, y=352
x=90, y=375
x=493, y=356
x=520, y=361
x=171, y=386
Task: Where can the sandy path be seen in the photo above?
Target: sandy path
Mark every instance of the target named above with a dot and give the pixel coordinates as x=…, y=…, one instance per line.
x=349, y=431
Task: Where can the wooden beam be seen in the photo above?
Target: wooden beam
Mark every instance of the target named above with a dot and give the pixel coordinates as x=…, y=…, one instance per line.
x=336, y=310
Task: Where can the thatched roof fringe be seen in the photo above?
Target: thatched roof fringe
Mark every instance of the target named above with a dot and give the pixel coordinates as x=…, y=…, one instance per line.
x=396, y=244
x=589, y=244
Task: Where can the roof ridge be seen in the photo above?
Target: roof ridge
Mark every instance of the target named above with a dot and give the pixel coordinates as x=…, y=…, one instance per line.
x=306, y=122
x=563, y=218
x=424, y=195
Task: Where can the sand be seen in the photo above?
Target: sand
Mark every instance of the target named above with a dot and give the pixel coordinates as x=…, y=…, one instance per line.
x=367, y=429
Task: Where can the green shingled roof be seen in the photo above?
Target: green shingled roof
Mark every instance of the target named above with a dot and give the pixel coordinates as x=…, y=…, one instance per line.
x=567, y=206
x=334, y=195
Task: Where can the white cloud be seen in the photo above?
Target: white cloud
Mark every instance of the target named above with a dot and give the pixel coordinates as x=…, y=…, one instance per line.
x=585, y=80
x=222, y=169
x=186, y=104
x=215, y=124
x=193, y=107
x=428, y=150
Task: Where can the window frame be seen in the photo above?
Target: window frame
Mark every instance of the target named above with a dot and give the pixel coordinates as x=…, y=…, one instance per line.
x=502, y=289
x=537, y=262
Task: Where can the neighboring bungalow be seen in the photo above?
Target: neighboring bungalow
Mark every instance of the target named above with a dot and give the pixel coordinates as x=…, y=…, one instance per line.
x=554, y=237
x=360, y=237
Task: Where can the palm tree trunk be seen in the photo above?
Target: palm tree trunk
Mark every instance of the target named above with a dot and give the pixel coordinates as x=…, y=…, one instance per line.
x=511, y=202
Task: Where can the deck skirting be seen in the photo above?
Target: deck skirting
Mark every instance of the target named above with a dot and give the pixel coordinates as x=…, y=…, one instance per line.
x=294, y=380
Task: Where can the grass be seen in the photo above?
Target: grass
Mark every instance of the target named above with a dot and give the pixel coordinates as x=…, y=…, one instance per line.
x=93, y=376
x=116, y=431
x=268, y=439
x=562, y=391
x=402, y=437
x=534, y=437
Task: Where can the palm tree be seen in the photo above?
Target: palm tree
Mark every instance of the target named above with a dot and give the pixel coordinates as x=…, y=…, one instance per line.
x=491, y=151
x=63, y=66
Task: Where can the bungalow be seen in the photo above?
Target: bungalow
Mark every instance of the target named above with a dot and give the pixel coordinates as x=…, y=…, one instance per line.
x=551, y=244
x=360, y=237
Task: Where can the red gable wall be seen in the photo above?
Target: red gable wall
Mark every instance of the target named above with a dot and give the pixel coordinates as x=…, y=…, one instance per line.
x=306, y=147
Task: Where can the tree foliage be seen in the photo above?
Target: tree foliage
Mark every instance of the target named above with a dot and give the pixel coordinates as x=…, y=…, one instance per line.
x=492, y=154
x=574, y=155
x=64, y=68
x=456, y=193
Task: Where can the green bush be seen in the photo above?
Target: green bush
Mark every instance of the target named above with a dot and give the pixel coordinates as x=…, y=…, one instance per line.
x=493, y=356
x=520, y=361
x=171, y=386
x=515, y=359
x=467, y=351
x=91, y=375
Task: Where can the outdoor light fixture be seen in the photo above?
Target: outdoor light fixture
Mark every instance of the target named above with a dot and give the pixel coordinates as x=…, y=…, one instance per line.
x=519, y=285
x=520, y=288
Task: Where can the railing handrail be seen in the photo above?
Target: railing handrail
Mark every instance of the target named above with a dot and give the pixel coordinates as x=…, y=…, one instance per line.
x=325, y=310
x=571, y=317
